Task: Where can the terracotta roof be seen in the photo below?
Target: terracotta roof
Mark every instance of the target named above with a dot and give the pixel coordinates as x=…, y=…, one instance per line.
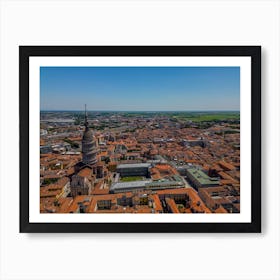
x=226, y=165
x=63, y=181
x=65, y=204
x=85, y=172
x=70, y=171
x=85, y=199
x=225, y=176
x=172, y=205
x=174, y=191
x=221, y=210
x=158, y=206
x=98, y=191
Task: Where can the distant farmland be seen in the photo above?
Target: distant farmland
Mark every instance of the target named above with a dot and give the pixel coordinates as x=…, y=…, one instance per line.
x=206, y=116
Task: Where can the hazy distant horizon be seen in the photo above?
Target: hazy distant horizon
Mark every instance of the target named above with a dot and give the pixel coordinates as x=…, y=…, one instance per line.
x=143, y=111
x=140, y=88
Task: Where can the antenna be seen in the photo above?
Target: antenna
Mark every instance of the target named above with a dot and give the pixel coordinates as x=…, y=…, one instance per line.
x=86, y=120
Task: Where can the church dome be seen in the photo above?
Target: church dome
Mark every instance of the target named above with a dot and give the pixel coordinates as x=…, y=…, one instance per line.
x=88, y=135
x=89, y=146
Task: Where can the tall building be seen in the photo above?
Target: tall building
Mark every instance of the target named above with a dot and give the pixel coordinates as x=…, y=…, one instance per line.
x=83, y=179
x=89, y=147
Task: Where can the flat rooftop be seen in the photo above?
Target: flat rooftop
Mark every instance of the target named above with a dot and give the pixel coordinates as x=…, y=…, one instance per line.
x=129, y=185
x=146, y=184
x=202, y=178
x=134, y=165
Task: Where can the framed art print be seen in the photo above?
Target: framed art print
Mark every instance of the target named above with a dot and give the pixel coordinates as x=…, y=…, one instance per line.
x=140, y=138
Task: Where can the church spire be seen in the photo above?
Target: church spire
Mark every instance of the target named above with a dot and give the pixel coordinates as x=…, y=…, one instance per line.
x=86, y=119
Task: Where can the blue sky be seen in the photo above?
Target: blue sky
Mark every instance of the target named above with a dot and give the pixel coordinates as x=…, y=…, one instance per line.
x=140, y=88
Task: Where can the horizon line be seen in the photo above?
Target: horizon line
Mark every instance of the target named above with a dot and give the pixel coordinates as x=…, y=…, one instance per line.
x=80, y=110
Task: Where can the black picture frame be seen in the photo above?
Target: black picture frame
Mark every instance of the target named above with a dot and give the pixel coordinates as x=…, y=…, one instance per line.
x=254, y=52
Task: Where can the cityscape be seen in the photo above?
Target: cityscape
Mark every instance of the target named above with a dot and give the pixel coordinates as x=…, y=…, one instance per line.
x=117, y=160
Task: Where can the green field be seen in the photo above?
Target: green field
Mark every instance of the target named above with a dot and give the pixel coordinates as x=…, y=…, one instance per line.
x=206, y=116
x=131, y=179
